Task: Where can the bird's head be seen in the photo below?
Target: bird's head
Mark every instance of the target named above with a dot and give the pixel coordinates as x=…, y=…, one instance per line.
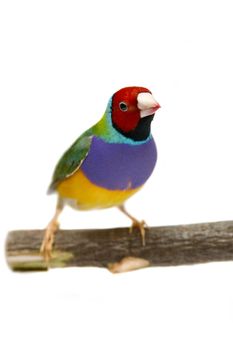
x=132, y=112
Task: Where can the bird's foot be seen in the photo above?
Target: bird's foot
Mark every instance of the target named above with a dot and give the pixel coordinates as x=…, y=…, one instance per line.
x=48, y=240
x=141, y=225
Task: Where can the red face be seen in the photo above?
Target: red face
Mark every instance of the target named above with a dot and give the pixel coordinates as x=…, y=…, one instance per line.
x=125, y=111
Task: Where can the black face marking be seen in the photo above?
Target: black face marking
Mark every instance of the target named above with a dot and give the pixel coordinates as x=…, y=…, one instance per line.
x=123, y=106
x=142, y=130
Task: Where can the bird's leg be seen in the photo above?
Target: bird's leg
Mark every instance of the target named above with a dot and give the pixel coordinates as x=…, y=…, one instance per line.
x=135, y=223
x=51, y=229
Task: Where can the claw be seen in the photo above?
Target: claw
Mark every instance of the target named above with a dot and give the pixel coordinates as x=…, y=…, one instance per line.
x=47, y=244
x=48, y=240
x=141, y=225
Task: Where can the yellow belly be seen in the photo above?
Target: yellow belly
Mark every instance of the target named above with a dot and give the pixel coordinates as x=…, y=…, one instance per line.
x=85, y=195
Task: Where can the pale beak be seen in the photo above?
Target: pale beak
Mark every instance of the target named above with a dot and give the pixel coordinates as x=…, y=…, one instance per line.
x=147, y=104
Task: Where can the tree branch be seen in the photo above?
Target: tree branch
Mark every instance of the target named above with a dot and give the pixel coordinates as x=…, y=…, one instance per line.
x=165, y=246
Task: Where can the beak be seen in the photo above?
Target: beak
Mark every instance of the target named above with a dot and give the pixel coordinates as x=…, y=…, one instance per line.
x=147, y=104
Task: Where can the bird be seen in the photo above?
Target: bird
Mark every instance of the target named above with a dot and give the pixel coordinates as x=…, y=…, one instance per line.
x=109, y=162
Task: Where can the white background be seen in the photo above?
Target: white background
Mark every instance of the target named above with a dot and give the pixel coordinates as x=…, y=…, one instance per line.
x=60, y=63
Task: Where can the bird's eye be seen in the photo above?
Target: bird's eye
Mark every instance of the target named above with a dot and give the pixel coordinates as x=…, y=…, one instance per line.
x=123, y=106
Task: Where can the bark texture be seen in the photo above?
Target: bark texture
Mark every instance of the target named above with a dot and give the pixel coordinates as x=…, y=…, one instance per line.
x=165, y=246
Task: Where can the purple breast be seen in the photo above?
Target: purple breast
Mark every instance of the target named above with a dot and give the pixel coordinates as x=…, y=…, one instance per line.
x=119, y=166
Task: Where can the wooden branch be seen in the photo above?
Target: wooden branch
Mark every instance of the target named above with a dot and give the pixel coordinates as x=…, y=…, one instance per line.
x=165, y=246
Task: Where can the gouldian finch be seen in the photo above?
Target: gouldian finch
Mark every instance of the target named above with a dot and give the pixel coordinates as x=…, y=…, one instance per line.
x=109, y=162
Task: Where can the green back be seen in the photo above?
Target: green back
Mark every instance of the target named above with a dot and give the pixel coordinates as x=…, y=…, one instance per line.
x=71, y=160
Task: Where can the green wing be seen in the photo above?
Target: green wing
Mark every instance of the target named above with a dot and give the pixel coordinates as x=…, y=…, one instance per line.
x=71, y=160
